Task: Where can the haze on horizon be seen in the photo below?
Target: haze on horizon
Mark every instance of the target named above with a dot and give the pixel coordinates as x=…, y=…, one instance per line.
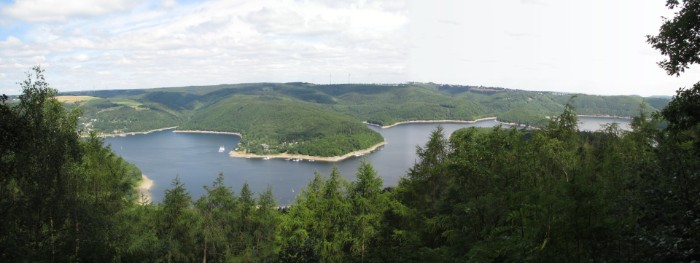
x=593, y=47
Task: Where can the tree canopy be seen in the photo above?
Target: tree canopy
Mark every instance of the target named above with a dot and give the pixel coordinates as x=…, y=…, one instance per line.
x=679, y=37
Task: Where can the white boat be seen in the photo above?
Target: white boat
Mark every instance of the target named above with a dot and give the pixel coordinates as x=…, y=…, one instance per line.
x=297, y=160
x=266, y=158
x=222, y=149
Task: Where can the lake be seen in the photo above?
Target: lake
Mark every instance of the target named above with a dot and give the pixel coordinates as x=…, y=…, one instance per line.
x=195, y=158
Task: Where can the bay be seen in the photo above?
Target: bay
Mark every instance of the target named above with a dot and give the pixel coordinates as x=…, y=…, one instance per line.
x=196, y=160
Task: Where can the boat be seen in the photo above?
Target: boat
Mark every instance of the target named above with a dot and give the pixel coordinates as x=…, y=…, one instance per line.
x=297, y=160
x=311, y=161
x=266, y=158
x=222, y=149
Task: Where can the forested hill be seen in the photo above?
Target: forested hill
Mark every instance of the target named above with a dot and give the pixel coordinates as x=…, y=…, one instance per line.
x=278, y=124
x=306, y=118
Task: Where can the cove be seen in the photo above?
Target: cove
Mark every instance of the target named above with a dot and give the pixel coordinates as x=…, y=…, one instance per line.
x=196, y=159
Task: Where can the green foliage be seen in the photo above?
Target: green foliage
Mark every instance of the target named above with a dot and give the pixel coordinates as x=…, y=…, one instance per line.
x=216, y=210
x=116, y=118
x=57, y=193
x=678, y=37
x=333, y=221
x=275, y=125
x=519, y=195
x=368, y=204
x=683, y=115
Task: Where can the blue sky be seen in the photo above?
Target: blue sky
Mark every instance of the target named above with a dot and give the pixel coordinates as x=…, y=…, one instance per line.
x=587, y=46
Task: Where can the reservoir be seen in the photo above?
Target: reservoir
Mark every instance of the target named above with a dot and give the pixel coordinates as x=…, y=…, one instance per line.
x=196, y=159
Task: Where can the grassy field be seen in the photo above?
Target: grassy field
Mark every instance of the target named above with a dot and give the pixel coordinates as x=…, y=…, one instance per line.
x=127, y=102
x=74, y=99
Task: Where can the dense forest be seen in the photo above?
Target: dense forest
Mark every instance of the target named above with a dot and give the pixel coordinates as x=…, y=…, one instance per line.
x=553, y=194
x=280, y=125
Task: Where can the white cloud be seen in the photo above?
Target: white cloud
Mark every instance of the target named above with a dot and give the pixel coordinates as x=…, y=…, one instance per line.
x=577, y=46
x=61, y=10
x=10, y=42
x=82, y=57
x=218, y=42
x=168, y=3
x=288, y=22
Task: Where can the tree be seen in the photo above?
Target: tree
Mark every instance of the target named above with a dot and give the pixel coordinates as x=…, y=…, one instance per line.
x=60, y=196
x=300, y=222
x=671, y=220
x=178, y=224
x=267, y=223
x=679, y=38
x=242, y=234
x=368, y=205
x=683, y=116
x=216, y=209
x=333, y=219
x=40, y=169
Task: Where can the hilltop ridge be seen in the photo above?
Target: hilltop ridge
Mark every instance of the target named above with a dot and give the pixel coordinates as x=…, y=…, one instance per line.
x=327, y=120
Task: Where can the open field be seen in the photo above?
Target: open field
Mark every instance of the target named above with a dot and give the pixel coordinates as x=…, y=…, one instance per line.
x=74, y=99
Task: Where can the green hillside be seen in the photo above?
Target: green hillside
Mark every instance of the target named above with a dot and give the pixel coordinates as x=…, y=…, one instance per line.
x=326, y=120
x=272, y=124
x=120, y=115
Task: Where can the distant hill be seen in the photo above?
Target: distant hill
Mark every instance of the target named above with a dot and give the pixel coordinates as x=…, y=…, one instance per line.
x=326, y=120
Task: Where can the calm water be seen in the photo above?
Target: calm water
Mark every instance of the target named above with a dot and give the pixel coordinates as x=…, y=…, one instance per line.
x=195, y=159
x=594, y=124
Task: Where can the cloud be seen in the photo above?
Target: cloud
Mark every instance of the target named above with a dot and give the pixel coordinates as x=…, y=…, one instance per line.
x=288, y=22
x=60, y=10
x=82, y=57
x=215, y=42
x=534, y=2
x=11, y=41
x=168, y=3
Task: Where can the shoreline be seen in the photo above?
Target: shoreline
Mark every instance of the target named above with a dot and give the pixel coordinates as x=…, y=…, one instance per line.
x=488, y=119
x=432, y=121
x=208, y=132
x=106, y=135
x=144, y=189
x=513, y=124
x=371, y=149
x=605, y=116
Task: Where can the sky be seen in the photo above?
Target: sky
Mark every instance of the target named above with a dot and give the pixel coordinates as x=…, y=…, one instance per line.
x=576, y=46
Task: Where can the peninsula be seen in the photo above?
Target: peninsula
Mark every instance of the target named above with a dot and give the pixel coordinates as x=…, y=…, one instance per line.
x=297, y=157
